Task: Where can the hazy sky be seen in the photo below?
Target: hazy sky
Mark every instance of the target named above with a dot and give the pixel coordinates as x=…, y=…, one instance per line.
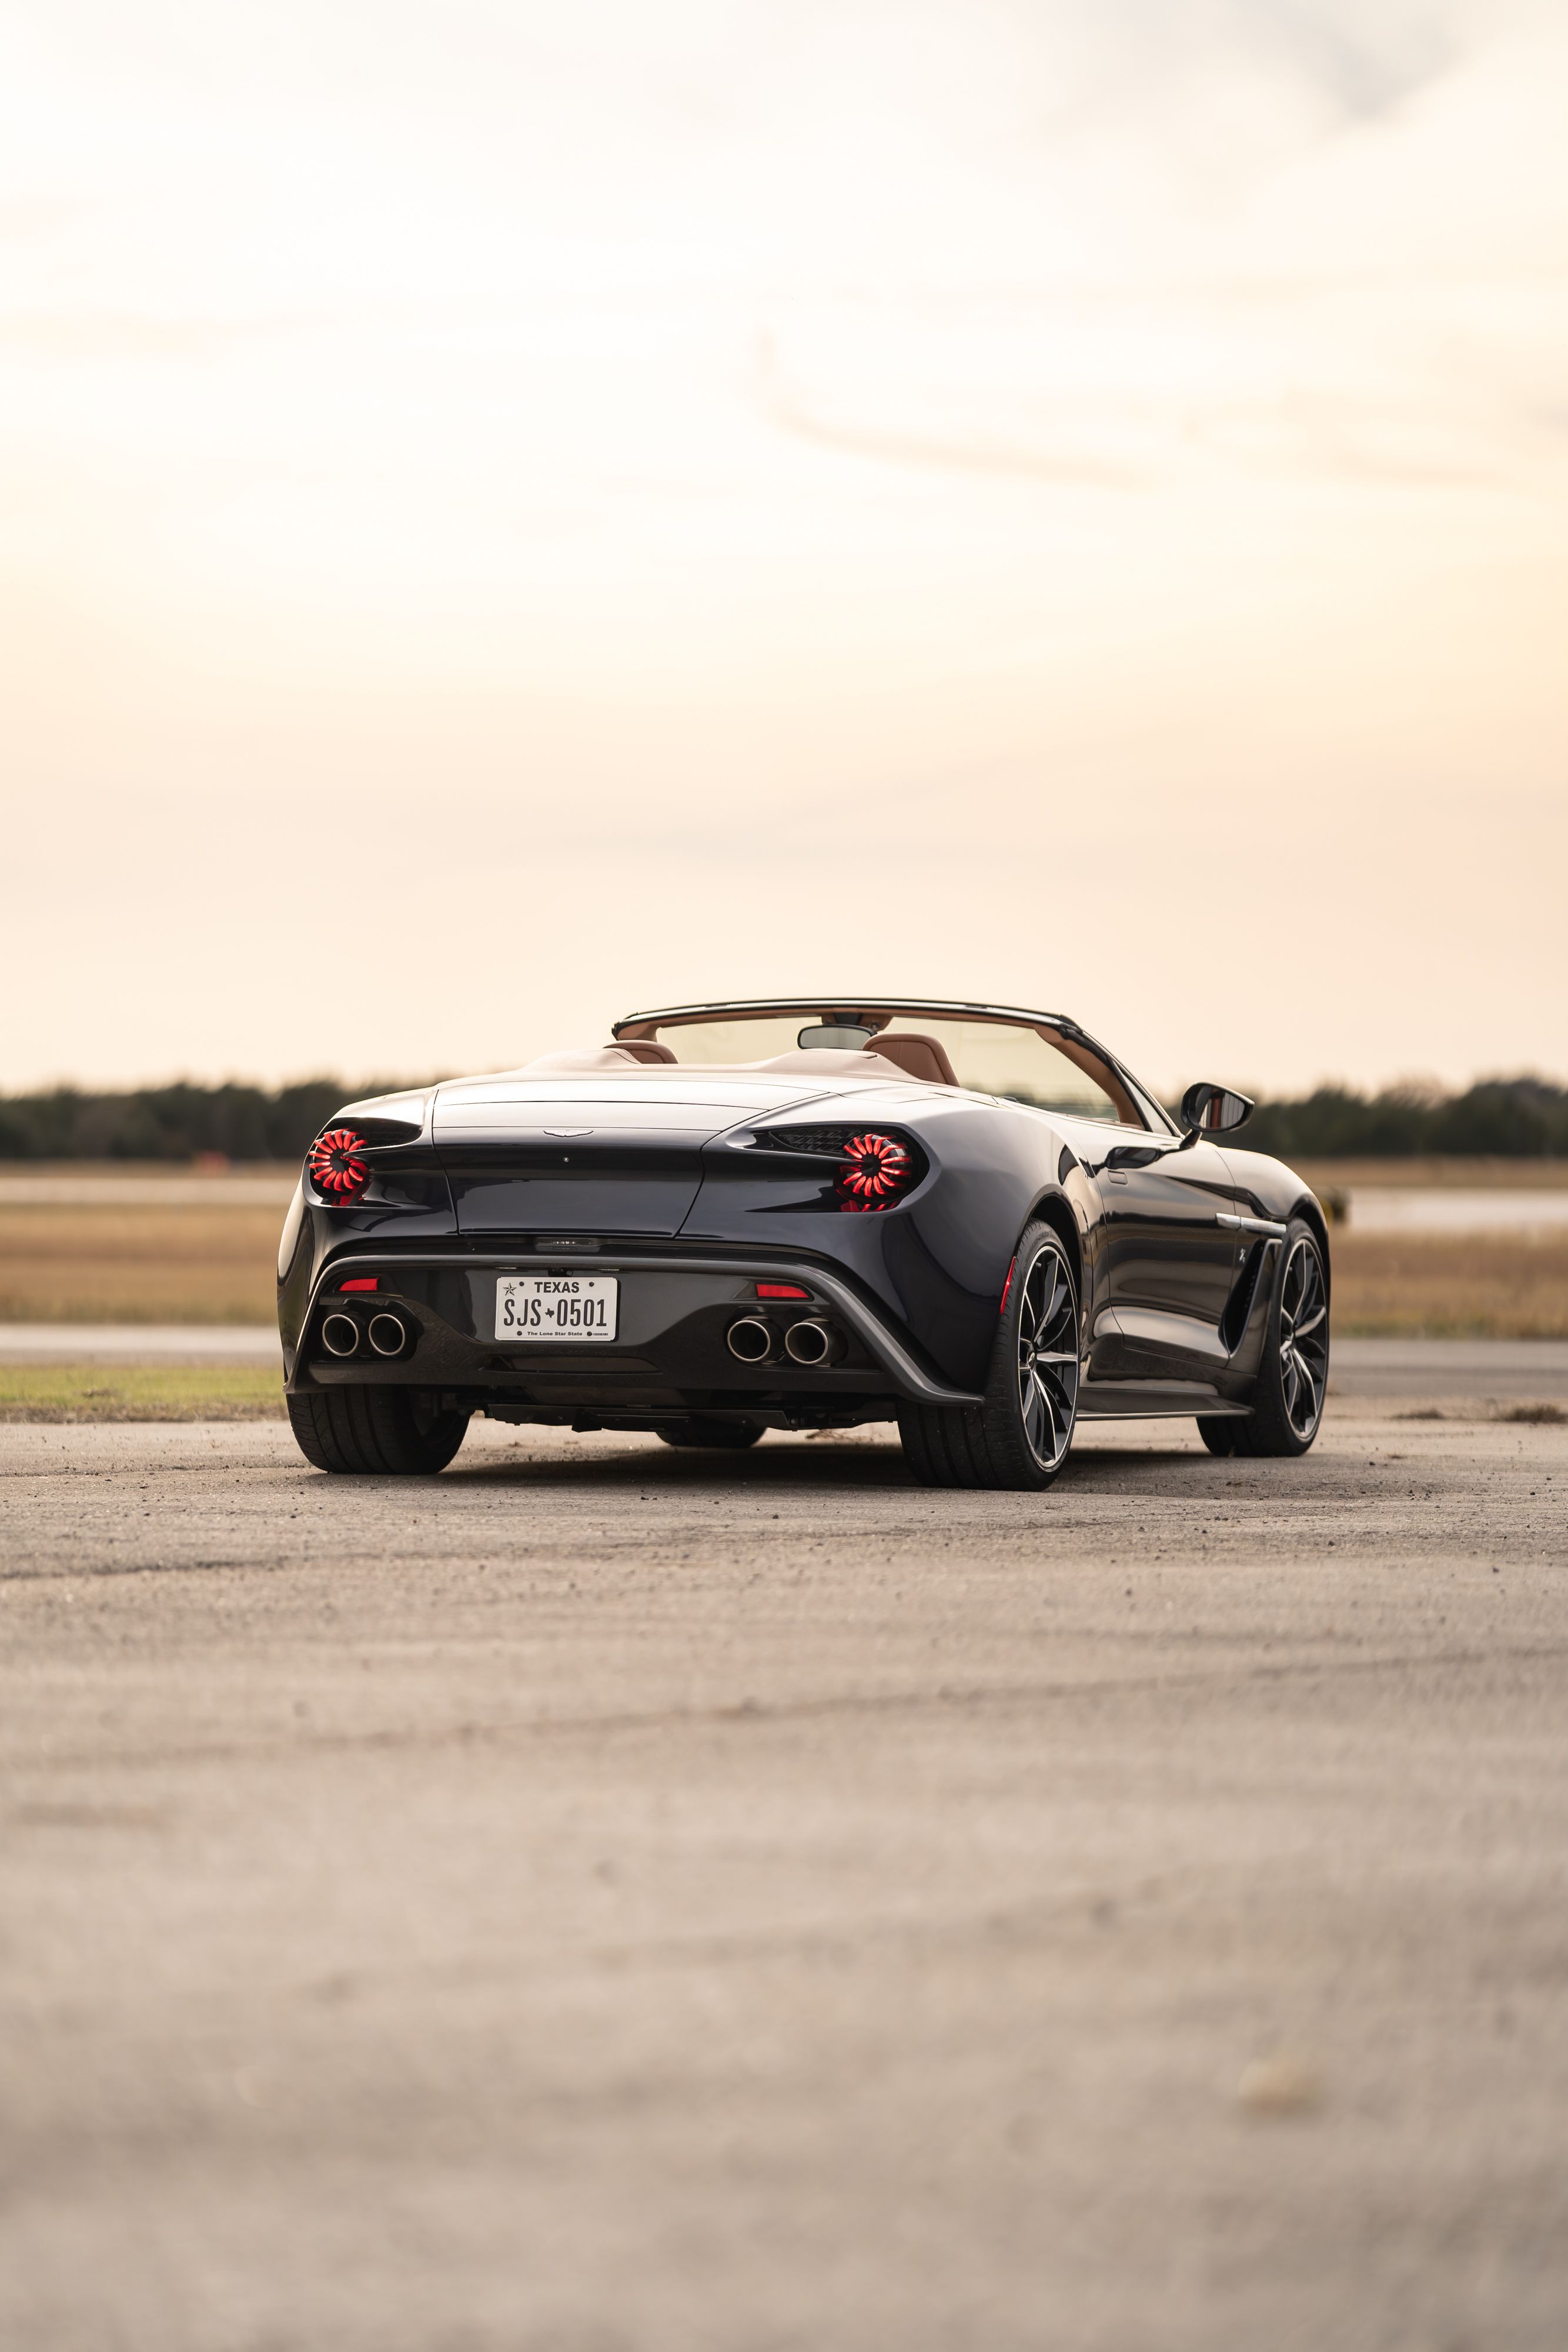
x=511, y=514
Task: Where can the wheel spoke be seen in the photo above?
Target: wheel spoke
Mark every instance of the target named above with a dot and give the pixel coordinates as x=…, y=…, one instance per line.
x=1049, y=1413
x=1048, y=1363
x=1303, y=1339
x=1292, y=1382
x=1050, y=1290
x=1059, y=1332
x=1295, y=1295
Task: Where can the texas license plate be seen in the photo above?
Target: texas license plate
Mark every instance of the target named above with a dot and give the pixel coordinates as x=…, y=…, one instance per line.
x=581, y=1306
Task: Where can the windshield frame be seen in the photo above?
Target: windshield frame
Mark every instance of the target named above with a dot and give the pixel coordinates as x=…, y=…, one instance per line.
x=875, y=1012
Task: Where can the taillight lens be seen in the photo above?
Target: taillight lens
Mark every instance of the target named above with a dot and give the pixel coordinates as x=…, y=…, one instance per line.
x=876, y=1170
x=336, y=1166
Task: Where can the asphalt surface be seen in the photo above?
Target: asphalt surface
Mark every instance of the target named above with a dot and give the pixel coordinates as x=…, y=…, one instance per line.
x=609, y=1898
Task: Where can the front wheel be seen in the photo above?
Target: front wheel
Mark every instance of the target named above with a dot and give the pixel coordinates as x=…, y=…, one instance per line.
x=375, y=1433
x=1019, y=1435
x=1293, y=1377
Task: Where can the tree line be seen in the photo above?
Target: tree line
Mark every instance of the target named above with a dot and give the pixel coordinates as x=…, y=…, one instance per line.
x=1511, y=1119
x=174, y=1123
x=1504, y=1118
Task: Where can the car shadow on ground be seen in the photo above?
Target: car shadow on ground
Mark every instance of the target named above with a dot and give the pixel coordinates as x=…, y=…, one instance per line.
x=667, y=1468
x=813, y=1465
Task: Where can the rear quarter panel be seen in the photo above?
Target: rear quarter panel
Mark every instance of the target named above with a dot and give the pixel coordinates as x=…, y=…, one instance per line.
x=937, y=1261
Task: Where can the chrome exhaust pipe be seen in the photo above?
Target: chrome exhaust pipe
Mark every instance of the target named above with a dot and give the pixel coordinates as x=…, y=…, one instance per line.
x=340, y=1335
x=812, y=1343
x=388, y=1334
x=750, y=1340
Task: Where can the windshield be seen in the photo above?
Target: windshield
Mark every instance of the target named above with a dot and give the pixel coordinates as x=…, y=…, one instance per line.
x=1011, y=1058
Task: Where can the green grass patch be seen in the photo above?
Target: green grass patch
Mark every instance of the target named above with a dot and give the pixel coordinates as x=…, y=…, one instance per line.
x=140, y=1393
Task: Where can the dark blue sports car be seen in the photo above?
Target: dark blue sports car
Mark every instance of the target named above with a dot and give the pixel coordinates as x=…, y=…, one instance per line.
x=803, y=1213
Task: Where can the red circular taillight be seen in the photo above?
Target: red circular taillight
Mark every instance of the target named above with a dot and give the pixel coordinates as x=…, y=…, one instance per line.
x=335, y=1165
x=876, y=1170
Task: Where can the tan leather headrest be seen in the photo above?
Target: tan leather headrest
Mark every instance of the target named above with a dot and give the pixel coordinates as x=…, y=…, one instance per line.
x=918, y=1057
x=642, y=1049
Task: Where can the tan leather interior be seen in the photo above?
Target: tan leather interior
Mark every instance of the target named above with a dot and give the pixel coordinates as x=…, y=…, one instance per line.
x=918, y=1057
x=642, y=1049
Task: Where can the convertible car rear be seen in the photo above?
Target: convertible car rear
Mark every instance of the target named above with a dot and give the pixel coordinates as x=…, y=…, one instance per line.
x=802, y=1214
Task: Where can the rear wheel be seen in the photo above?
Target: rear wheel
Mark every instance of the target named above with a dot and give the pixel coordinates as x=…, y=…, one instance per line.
x=1019, y=1436
x=707, y=1430
x=375, y=1431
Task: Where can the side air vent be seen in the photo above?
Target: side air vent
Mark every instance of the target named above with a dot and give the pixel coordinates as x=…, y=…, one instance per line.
x=829, y=1142
x=1239, y=1305
x=388, y=1130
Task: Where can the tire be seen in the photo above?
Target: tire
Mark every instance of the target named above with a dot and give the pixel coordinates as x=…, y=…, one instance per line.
x=705, y=1429
x=1019, y=1437
x=1218, y=1430
x=375, y=1433
x=1293, y=1377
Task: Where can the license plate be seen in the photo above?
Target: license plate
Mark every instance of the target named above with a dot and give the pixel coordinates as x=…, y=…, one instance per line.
x=581, y=1306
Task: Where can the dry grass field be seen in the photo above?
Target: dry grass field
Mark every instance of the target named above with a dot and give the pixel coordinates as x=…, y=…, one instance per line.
x=209, y=1264
x=1450, y=1285
x=1452, y=1175
x=75, y=1392
x=162, y=1264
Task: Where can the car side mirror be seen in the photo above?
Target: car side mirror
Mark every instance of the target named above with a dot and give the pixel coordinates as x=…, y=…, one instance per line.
x=1208, y=1109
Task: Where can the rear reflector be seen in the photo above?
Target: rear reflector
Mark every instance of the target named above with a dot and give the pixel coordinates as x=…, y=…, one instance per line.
x=781, y=1290
x=361, y=1282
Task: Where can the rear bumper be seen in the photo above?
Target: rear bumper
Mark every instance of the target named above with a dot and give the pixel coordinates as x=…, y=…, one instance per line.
x=670, y=1355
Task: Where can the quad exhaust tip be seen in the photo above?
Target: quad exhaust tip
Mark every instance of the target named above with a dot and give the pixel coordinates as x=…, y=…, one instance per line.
x=388, y=1334
x=339, y=1335
x=812, y=1343
x=808, y=1343
x=750, y=1340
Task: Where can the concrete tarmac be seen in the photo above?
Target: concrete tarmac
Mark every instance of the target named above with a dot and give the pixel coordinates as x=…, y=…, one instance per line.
x=609, y=1900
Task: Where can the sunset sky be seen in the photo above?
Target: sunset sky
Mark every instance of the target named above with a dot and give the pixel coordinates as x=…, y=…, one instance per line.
x=509, y=514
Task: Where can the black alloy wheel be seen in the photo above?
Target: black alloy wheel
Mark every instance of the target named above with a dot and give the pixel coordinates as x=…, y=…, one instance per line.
x=1020, y=1435
x=1293, y=1377
x=1304, y=1339
x=375, y=1433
